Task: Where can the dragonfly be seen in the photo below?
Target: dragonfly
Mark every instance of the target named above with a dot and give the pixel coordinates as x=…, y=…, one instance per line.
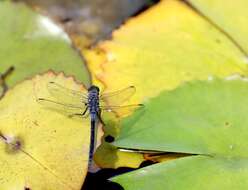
x=91, y=103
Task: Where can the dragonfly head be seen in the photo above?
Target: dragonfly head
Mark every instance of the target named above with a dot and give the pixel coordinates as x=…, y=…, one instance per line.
x=93, y=89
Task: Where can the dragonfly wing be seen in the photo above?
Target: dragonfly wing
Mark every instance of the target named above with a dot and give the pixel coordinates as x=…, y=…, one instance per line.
x=122, y=110
x=66, y=95
x=66, y=109
x=118, y=97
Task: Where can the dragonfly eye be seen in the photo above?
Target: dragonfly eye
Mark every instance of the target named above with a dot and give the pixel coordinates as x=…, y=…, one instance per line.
x=93, y=88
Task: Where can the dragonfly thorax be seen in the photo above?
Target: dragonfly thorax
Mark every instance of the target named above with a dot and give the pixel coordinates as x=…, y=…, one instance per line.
x=93, y=100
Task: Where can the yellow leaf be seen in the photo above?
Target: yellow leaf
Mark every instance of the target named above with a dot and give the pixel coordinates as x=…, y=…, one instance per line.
x=163, y=47
x=114, y=158
x=108, y=156
x=41, y=149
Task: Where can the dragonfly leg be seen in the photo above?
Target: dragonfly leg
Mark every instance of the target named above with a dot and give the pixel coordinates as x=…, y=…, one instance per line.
x=80, y=114
x=75, y=114
x=86, y=109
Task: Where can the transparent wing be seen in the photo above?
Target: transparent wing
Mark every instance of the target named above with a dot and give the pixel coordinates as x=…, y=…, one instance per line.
x=67, y=96
x=66, y=109
x=122, y=110
x=118, y=97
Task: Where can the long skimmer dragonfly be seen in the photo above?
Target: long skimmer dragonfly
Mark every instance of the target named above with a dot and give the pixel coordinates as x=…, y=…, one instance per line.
x=77, y=103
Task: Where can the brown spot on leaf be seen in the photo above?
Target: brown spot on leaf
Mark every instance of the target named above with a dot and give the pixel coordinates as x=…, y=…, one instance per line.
x=13, y=144
x=227, y=124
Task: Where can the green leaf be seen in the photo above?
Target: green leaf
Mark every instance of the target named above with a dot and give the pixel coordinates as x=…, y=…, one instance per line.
x=32, y=43
x=203, y=117
x=194, y=173
x=200, y=117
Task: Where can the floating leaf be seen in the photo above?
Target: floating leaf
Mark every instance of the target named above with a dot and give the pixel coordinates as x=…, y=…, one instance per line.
x=32, y=43
x=163, y=47
x=159, y=49
x=114, y=158
x=222, y=14
x=201, y=117
x=194, y=173
x=41, y=149
x=107, y=155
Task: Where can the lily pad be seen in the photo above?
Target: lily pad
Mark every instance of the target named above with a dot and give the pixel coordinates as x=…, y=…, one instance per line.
x=107, y=155
x=159, y=49
x=200, y=117
x=230, y=17
x=33, y=44
x=194, y=173
x=41, y=149
x=113, y=158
